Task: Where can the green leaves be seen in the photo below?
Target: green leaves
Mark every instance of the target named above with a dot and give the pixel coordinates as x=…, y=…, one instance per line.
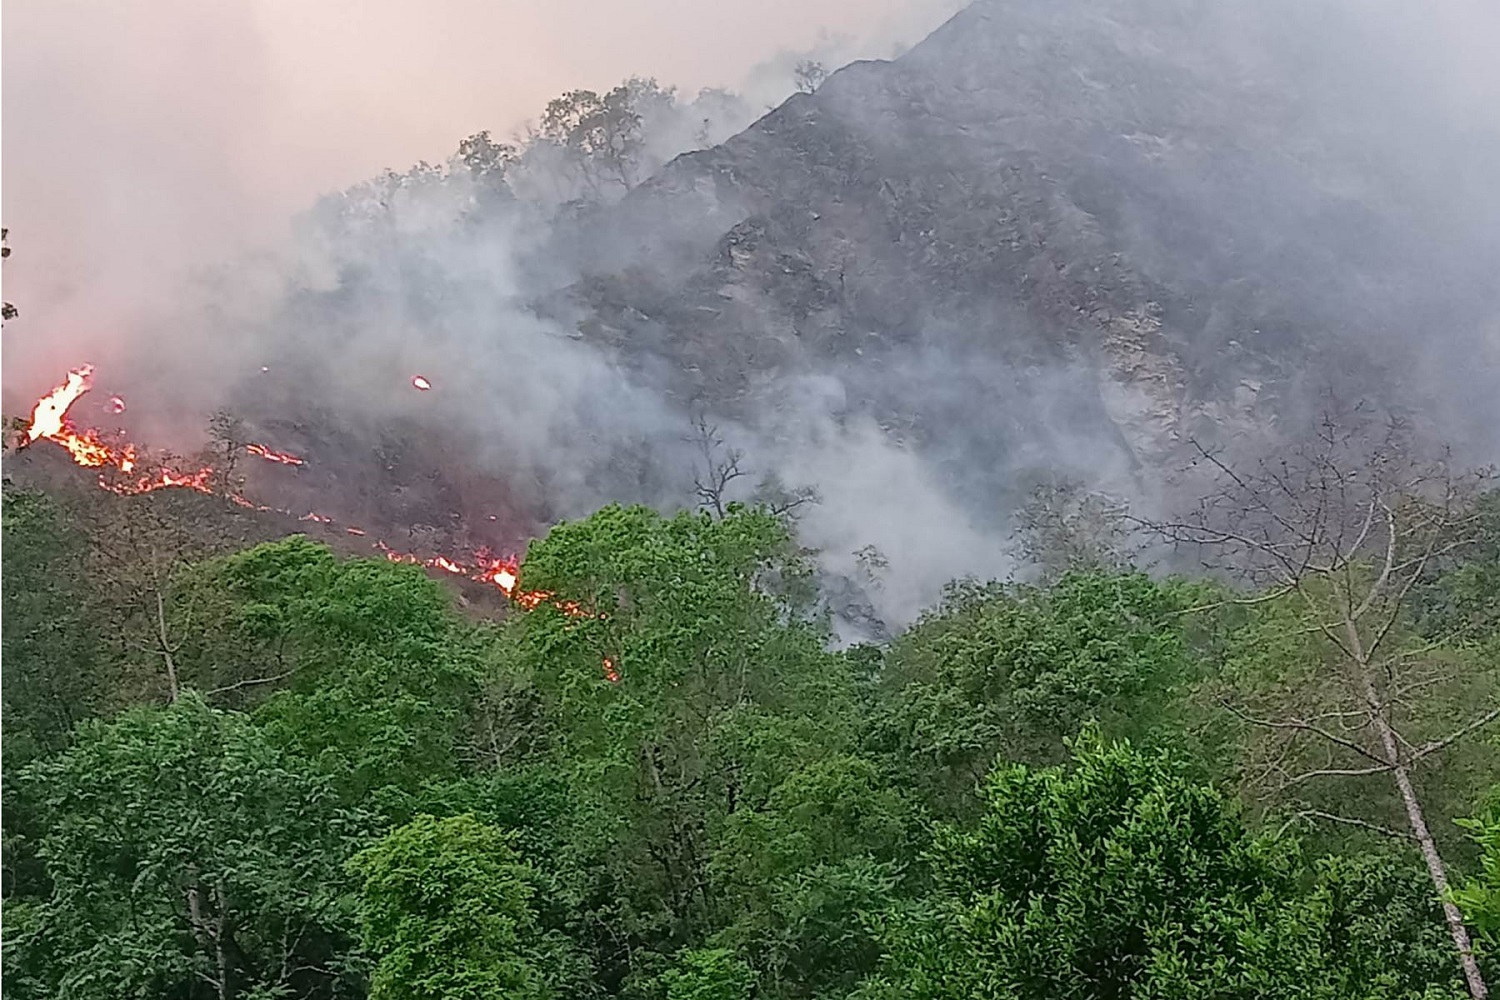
x=378, y=671
x=706, y=974
x=1479, y=898
x=742, y=814
x=183, y=847
x=1119, y=877
x=1017, y=669
x=445, y=908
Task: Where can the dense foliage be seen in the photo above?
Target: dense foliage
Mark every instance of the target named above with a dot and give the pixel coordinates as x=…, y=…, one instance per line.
x=665, y=783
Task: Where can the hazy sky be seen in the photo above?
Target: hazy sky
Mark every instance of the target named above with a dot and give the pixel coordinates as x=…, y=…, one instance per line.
x=144, y=136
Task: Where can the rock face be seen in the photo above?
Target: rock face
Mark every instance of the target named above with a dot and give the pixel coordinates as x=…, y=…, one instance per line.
x=1062, y=232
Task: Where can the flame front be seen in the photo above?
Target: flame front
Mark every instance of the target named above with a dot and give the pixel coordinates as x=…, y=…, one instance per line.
x=271, y=455
x=49, y=420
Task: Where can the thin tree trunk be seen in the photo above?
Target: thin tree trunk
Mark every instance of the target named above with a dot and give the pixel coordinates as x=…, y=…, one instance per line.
x=166, y=646
x=1435, y=868
x=1414, y=815
x=221, y=953
x=206, y=939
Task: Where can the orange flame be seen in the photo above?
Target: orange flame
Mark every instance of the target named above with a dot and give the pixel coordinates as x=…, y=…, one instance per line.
x=446, y=565
x=202, y=481
x=49, y=420
x=271, y=455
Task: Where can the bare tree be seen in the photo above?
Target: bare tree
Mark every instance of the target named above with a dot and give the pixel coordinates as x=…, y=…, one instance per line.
x=1336, y=536
x=1065, y=526
x=721, y=466
x=809, y=75
x=781, y=500
x=229, y=438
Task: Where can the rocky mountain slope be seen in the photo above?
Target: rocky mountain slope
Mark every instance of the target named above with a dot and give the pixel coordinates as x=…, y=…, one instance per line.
x=1064, y=230
x=1057, y=239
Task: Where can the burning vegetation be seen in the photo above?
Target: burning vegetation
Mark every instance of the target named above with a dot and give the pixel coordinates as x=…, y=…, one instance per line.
x=126, y=469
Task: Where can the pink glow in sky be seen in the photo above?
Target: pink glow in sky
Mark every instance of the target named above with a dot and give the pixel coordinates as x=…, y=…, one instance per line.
x=143, y=137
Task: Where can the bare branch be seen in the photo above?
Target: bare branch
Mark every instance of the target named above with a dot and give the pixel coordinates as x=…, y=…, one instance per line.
x=253, y=682
x=711, y=486
x=1348, y=821
x=1428, y=749
x=1300, y=725
x=1335, y=772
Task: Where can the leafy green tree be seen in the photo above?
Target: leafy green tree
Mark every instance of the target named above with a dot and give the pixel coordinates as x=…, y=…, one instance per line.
x=1114, y=877
x=800, y=872
x=58, y=667
x=1479, y=897
x=1016, y=669
x=1380, y=926
x=188, y=857
x=373, y=673
x=706, y=974
x=723, y=689
x=1461, y=597
x=446, y=911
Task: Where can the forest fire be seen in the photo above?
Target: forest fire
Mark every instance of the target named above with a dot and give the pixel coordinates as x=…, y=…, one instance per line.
x=271, y=455
x=420, y=383
x=88, y=448
x=202, y=481
x=49, y=419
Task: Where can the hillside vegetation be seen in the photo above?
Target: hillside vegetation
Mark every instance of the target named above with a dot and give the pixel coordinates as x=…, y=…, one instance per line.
x=275, y=772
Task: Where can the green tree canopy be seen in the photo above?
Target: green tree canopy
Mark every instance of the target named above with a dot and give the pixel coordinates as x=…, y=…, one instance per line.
x=1017, y=669
x=446, y=911
x=189, y=857
x=1113, y=877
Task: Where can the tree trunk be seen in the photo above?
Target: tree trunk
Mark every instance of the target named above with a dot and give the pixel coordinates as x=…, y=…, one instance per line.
x=1435, y=867
x=1414, y=815
x=207, y=938
x=221, y=951
x=166, y=647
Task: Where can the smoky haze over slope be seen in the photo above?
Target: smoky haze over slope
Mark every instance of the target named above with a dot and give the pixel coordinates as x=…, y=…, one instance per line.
x=1054, y=238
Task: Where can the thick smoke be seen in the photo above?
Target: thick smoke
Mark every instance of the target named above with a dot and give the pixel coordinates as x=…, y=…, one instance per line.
x=553, y=294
